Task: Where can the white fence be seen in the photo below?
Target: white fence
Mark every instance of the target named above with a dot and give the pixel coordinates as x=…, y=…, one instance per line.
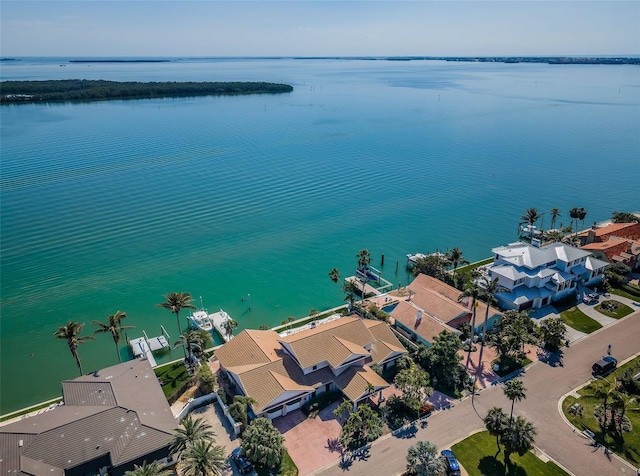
x=200, y=401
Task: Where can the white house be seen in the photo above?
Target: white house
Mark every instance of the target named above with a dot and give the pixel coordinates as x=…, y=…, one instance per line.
x=538, y=276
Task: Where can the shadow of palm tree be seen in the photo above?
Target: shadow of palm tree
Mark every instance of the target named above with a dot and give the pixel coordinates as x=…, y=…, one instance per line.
x=492, y=466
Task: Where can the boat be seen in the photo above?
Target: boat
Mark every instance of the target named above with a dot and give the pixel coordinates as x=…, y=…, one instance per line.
x=200, y=320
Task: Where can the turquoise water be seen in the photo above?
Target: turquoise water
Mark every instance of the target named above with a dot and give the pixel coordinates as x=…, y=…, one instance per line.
x=107, y=206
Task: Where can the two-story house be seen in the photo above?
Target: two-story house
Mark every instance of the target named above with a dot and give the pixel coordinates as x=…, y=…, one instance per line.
x=538, y=276
x=281, y=373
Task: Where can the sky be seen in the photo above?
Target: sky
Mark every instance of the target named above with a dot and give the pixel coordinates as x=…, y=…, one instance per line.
x=205, y=28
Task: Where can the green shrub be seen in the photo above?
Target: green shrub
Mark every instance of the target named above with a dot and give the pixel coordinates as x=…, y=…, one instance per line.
x=223, y=395
x=206, y=379
x=320, y=402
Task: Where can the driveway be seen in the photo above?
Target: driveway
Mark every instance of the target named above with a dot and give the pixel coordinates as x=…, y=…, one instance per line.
x=312, y=443
x=546, y=385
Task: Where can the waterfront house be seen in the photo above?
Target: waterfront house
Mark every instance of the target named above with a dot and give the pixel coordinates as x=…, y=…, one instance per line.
x=442, y=302
x=537, y=276
x=281, y=373
x=417, y=325
x=111, y=420
x=615, y=243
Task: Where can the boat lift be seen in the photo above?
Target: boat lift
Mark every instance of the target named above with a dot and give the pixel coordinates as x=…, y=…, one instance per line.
x=143, y=347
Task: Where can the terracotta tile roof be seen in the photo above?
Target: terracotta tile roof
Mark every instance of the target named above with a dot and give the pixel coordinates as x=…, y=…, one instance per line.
x=249, y=347
x=623, y=230
x=423, y=281
x=353, y=382
x=429, y=327
x=270, y=375
x=333, y=342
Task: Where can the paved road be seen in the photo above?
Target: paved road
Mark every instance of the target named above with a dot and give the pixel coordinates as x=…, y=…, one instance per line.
x=545, y=387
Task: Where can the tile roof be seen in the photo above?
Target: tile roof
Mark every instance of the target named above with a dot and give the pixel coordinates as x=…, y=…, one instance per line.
x=354, y=382
x=428, y=327
x=273, y=375
x=119, y=413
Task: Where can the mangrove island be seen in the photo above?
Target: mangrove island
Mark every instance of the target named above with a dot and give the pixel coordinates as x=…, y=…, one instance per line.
x=12, y=92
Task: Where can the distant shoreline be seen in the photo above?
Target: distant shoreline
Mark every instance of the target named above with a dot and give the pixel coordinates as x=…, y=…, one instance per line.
x=566, y=60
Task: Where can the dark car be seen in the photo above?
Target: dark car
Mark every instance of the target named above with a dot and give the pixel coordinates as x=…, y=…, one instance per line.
x=605, y=365
x=451, y=463
x=244, y=465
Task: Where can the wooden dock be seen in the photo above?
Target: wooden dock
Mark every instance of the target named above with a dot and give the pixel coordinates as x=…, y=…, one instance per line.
x=218, y=319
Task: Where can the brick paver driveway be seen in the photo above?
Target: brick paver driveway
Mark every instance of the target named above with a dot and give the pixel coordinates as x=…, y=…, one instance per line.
x=307, y=439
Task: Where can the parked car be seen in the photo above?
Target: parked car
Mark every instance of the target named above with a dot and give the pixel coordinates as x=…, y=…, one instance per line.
x=244, y=465
x=451, y=463
x=605, y=365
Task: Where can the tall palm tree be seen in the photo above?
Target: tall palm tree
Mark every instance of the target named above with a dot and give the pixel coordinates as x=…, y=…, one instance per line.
x=623, y=403
x=191, y=430
x=203, y=458
x=496, y=421
x=518, y=437
x=194, y=342
x=423, y=460
x=604, y=390
x=456, y=258
x=71, y=333
x=514, y=390
x=175, y=302
x=582, y=214
x=555, y=213
x=489, y=289
x=574, y=213
x=473, y=291
x=114, y=327
x=334, y=274
x=149, y=469
x=530, y=216
x=364, y=259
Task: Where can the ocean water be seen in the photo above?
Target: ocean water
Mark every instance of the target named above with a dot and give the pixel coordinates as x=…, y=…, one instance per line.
x=106, y=206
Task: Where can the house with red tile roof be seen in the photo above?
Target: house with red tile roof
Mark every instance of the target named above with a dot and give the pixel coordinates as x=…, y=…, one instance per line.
x=615, y=243
x=283, y=372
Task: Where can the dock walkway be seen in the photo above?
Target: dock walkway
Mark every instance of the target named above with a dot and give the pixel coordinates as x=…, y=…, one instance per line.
x=218, y=319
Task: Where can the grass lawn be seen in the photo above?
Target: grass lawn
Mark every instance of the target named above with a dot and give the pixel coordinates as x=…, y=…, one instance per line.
x=477, y=454
x=287, y=468
x=577, y=319
x=174, y=378
x=625, y=293
x=628, y=447
x=621, y=311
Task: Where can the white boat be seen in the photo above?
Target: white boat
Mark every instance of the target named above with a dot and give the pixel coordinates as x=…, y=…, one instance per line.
x=200, y=320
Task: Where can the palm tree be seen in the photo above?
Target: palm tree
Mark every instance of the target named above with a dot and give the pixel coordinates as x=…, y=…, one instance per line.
x=263, y=444
x=604, y=390
x=623, y=403
x=530, y=217
x=574, y=213
x=423, y=460
x=496, y=422
x=518, y=437
x=114, y=327
x=553, y=235
x=175, y=302
x=473, y=291
x=203, y=458
x=190, y=431
x=490, y=287
x=582, y=214
x=334, y=274
x=71, y=333
x=149, y=469
x=555, y=213
x=455, y=258
x=229, y=326
x=514, y=390
x=364, y=259
x=195, y=342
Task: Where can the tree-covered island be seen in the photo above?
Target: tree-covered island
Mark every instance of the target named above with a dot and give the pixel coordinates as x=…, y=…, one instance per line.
x=12, y=92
